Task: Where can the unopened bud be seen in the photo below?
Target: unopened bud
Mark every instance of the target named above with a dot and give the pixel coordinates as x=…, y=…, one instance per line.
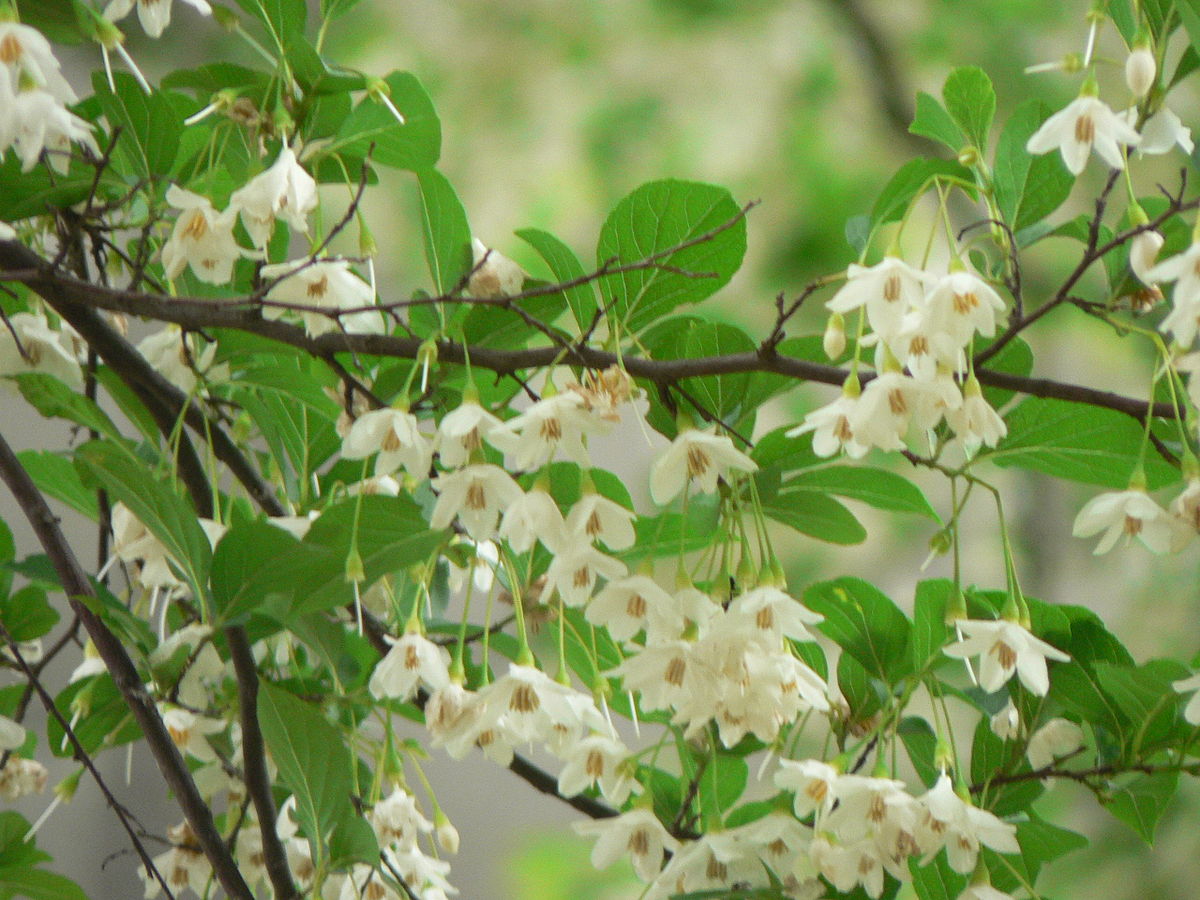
x=956, y=606
x=969, y=156
x=1140, y=71
x=834, y=341
x=225, y=17
x=355, y=573
x=65, y=789
x=447, y=834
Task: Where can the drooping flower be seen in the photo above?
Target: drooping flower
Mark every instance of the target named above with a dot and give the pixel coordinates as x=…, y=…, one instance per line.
x=963, y=827
x=155, y=15
x=1087, y=123
x=636, y=832
x=1005, y=648
x=553, y=423
x=1055, y=739
x=961, y=304
x=29, y=344
x=320, y=289
x=395, y=436
x=887, y=290
x=574, y=570
x=811, y=782
x=413, y=660
x=601, y=760
x=1131, y=513
x=596, y=518
x=1162, y=132
x=699, y=456
x=26, y=54
x=179, y=362
x=476, y=495
x=974, y=422
x=533, y=517
x=1006, y=724
x=625, y=606
x=284, y=191
x=37, y=121
x=202, y=238
x=1143, y=251
x=463, y=431
x=832, y=429
x=493, y=274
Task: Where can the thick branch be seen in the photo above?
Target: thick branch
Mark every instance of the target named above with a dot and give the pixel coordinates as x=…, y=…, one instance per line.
x=124, y=674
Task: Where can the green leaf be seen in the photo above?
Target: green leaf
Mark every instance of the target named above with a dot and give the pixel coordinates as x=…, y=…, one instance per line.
x=413, y=146
x=56, y=476
x=670, y=533
x=913, y=178
x=281, y=18
x=565, y=266
x=27, y=614
x=1042, y=842
x=243, y=566
x=153, y=500
x=331, y=8
x=864, y=622
x=8, y=551
x=1140, y=801
x=1145, y=696
x=37, y=884
x=876, y=487
x=817, y=515
x=936, y=881
x=930, y=632
x=654, y=218
x=1015, y=358
x=860, y=690
x=42, y=190
x=933, y=122
x=971, y=102
x=1028, y=188
x=313, y=762
x=55, y=400
x=446, y=231
x=1079, y=442
x=921, y=744
x=149, y=123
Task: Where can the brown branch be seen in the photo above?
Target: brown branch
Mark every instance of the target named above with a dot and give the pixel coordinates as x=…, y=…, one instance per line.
x=1084, y=776
x=124, y=674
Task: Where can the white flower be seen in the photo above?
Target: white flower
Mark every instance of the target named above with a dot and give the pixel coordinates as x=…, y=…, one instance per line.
x=597, y=759
x=179, y=363
x=12, y=734
x=393, y=434
x=25, y=51
x=413, y=660
x=533, y=517
x=974, y=422
x=596, y=518
x=29, y=344
x=21, y=777
x=812, y=784
x=182, y=867
x=38, y=121
x=1005, y=648
x=464, y=430
x=1085, y=124
x=1130, y=512
x=526, y=705
x=155, y=15
x=1006, y=724
x=832, y=430
x=187, y=731
x=964, y=826
x=574, y=570
x=665, y=675
x=962, y=303
x=1143, y=251
x=889, y=289
x=1162, y=132
x=324, y=285
x=558, y=422
x=202, y=238
x=637, y=832
x=627, y=605
x=882, y=414
x=772, y=615
x=476, y=495
x=1186, y=508
x=1191, y=712
x=1140, y=70
x=397, y=820
x=284, y=191
x=696, y=455
x=494, y=274
x=1052, y=741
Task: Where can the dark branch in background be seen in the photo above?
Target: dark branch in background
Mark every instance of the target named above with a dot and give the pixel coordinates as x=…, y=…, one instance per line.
x=889, y=82
x=124, y=674
x=84, y=758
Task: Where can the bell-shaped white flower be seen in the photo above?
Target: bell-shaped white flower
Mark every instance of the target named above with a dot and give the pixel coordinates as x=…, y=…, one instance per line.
x=493, y=274
x=974, y=422
x=636, y=832
x=1140, y=71
x=476, y=495
x=202, y=238
x=574, y=570
x=25, y=54
x=596, y=518
x=1005, y=648
x=772, y=615
x=412, y=661
x=1161, y=133
x=1085, y=124
x=463, y=431
x=1054, y=740
x=887, y=290
x=882, y=414
x=326, y=285
x=597, y=760
x=1191, y=712
x=832, y=429
x=180, y=362
x=698, y=456
x=964, y=826
x=533, y=517
x=1006, y=724
x=625, y=606
x=1143, y=251
x=556, y=422
x=37, y=121
x=1131, y=513
x=811, y=782
x=394, y=435
x=284, y=191
x=961, y=304
x=155, y=15
x=29, y=344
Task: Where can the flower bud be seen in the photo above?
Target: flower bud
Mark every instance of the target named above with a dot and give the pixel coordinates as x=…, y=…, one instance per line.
x=834, y=341
x=1140, y=71
x=446, y=833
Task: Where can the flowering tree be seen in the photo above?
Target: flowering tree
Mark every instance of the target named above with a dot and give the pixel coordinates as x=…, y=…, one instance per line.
x=343, y=522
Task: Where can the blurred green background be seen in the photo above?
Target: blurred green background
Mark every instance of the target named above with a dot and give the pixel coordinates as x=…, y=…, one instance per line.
x=553, y=110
